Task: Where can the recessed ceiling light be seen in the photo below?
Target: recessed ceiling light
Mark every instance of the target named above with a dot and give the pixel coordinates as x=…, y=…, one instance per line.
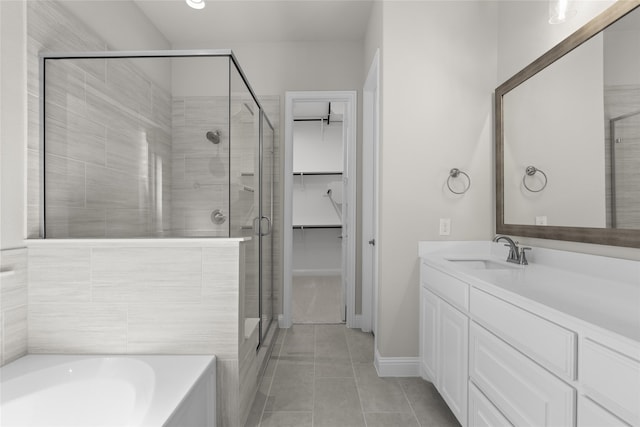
x=196, y=4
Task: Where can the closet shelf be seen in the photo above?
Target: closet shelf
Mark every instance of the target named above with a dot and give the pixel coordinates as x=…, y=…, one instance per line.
x=302, y=227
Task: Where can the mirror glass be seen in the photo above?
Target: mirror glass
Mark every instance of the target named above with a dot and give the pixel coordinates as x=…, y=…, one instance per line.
x=569, y=134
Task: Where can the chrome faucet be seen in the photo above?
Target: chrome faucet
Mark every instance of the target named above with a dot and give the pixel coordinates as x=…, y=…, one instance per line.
x=516, y=254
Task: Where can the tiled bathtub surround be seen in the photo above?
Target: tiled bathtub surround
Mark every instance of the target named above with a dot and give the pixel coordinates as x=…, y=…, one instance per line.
x=13, y=304
x=176, y=296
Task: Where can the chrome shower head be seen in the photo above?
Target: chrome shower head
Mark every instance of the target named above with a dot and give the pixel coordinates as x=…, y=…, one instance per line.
x=214, y=136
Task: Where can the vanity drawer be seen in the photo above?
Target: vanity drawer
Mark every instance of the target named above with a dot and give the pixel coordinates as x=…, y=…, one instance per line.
x=526, y=393
x=592, y=415
x=482, y=413
x=612, y=379
x=452, y=290
x=551, y=345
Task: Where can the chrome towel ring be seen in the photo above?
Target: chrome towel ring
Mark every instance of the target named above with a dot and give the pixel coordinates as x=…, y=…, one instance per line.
x=531, y=171
x=455, y=173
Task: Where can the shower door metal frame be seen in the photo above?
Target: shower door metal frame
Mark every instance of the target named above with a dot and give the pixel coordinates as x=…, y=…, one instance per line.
x=123, y=54
x=263, y=119
x=133, y=54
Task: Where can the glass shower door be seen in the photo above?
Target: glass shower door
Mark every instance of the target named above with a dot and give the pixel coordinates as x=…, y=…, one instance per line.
x=244, y=195
x=266, y=227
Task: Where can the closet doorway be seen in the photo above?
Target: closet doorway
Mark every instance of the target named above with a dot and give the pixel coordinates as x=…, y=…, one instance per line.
x=319, y=208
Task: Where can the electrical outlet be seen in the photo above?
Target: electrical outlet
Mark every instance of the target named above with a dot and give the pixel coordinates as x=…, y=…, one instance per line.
x=445, y=226
x=541, y=220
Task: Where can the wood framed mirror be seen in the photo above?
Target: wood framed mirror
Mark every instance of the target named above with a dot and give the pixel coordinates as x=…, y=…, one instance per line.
x=568, y=137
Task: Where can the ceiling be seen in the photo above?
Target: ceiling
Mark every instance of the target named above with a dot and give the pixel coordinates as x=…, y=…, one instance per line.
x=258, y=20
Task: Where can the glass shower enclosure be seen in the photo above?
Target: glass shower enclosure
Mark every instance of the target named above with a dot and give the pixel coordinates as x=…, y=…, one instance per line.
x=624, y=170
x=160, y=144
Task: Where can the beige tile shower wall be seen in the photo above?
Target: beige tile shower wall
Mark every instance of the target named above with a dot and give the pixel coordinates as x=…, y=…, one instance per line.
x=199, y=183
x=13, y=304
x=108, y=136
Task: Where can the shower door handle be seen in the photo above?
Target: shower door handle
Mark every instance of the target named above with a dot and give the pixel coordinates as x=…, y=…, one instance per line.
x=266, y=233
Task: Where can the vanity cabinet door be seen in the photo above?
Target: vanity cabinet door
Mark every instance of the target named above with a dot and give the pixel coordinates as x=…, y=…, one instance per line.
x=444, y=351
x=428, y=334
x=453, y=353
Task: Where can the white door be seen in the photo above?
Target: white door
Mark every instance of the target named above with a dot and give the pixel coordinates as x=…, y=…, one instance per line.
x=346, y=223
x=370, y=138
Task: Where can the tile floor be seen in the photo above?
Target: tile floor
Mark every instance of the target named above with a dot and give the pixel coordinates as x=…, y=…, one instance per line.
x=323, y=376
x=317, y=299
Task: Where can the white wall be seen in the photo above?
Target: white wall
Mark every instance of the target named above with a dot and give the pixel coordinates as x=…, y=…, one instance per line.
x=13, y=112
x=317, y=252
x=524, y=32
x=554, y=116
x=438, y=73
x=317, y=147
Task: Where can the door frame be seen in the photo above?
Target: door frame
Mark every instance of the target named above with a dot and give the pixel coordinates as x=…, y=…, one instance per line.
x=350, y=100
x=370, y=168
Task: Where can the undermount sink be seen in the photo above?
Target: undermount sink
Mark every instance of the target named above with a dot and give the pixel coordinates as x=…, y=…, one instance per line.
x=483, y=264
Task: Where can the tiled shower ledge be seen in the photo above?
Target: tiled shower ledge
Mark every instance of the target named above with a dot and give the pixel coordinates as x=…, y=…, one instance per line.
x=137, y=242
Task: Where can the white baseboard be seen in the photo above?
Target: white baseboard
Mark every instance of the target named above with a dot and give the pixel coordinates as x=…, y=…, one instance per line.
x=356, y=323
x=397, y=366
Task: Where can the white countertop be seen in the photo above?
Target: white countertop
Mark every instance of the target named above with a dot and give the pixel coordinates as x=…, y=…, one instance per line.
x=604, y=292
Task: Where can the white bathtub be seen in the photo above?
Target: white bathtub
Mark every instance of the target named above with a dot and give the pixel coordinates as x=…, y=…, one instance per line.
x=108, y=391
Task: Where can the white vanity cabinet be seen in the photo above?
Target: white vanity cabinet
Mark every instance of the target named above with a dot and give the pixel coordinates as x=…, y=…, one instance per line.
x=444, y=338
x=554, y=344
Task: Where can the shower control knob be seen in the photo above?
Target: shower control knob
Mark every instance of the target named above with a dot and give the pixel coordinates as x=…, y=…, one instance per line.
x=217, y=217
